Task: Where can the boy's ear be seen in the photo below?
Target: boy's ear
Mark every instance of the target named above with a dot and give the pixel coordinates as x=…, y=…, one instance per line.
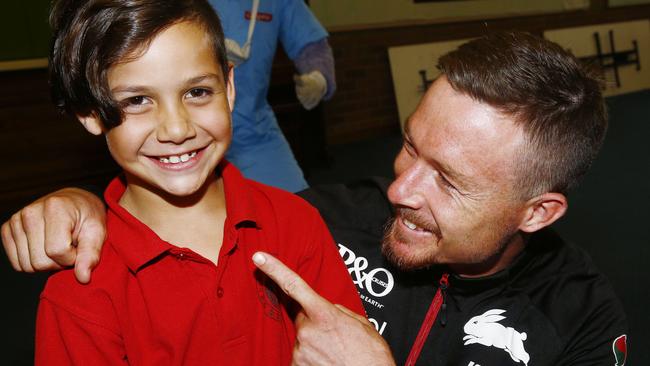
x=542, y=211
x=91, y=123
x=230, y=86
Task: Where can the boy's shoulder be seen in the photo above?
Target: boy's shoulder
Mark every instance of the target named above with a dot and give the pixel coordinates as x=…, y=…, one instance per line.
x=104, y=275
x=87, y=300
x=261, y=200
x=279, y=202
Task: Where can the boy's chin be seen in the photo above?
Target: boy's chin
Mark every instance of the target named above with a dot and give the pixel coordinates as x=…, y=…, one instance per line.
x=176, y=190
x=185, y=190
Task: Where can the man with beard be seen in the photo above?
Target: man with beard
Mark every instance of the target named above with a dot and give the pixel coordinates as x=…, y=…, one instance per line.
x=469, y=272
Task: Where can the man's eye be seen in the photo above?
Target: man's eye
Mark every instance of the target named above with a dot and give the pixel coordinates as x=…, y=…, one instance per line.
x=446, y=183
x=408, y=148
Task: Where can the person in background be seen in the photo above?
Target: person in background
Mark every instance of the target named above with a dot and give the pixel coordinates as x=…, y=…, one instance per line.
x=252, y=29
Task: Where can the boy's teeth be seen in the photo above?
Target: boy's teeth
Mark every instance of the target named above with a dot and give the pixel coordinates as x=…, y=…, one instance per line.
x=175, y=159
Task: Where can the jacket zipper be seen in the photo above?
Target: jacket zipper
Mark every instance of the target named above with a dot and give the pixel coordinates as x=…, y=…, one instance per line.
x=444, y=285
x=439, y=302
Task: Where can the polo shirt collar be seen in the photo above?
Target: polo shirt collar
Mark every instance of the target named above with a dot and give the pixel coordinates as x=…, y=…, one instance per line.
x=240, y=204
x=134, y=241
x=138, y=245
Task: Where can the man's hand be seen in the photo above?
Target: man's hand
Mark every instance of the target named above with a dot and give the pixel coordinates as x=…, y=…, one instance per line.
x=64, y=228
x=327, y=334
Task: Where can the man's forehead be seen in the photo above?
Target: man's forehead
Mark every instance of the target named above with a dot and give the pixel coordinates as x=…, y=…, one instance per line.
x=461, y=135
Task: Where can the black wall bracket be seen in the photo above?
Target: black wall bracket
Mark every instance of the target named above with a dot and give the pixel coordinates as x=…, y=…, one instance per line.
x=425, y=82
x=614, y=59
x=611, y=60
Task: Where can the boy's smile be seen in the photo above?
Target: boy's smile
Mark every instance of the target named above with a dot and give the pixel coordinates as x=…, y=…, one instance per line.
x=176, y=126
x=179, y=161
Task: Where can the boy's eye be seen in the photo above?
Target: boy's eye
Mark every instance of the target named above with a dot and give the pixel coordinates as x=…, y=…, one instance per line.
x=198, y=93
x=139, y=100
x=134, y=101
x=135, y=104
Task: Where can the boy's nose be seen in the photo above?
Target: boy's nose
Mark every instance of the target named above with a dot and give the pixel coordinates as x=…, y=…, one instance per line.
x=175, y=126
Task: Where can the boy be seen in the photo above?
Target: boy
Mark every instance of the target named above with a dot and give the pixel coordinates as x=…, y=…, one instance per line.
x=153, y=78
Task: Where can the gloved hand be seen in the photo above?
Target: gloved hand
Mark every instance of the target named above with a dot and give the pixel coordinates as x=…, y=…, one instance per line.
x=310, y=88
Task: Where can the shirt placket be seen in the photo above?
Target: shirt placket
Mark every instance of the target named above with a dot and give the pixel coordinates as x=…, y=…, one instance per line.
x=228, y=246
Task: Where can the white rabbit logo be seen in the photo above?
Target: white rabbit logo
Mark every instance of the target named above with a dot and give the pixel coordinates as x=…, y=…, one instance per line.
x=484, y=329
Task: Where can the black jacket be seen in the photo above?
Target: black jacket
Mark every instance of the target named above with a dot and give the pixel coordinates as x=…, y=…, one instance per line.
x=550, y=307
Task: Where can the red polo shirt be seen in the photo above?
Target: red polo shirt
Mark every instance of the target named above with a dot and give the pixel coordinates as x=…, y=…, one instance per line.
x=153, y=303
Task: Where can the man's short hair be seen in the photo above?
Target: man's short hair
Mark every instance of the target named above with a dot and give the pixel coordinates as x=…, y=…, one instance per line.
x=89, y=36
x=556, y=100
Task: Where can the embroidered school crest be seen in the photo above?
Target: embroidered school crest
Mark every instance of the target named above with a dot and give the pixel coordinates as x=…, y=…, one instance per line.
x=267, y=295
x=619, y=347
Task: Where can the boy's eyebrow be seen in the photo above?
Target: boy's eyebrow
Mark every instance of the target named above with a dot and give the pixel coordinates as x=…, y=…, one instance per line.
x=200, y=78
x=141, y=89
x=129, y=89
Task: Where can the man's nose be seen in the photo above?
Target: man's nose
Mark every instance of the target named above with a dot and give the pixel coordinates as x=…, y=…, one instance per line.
x=175, y=125
x=408, y=187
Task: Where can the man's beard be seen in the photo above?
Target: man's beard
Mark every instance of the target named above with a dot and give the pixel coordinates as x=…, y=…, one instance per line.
x=399, y=260
x=477, y=259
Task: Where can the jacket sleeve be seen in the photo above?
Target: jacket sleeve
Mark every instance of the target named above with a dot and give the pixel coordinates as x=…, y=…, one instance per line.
x=66, y=338
x=598, y=335
x=601, y=342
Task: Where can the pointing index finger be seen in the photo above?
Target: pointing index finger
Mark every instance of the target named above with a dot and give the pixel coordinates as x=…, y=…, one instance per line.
x=292, y=284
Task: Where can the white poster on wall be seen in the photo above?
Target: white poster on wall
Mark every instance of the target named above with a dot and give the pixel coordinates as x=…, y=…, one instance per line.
x=413, y=68
x=621, y=49
x=624, y=56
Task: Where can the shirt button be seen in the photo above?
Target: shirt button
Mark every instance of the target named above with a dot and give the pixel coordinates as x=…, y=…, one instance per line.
x=181, y=255
x=220, y=292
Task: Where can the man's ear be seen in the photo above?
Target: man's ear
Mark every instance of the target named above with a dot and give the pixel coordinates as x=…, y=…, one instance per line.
x=91, y=123
x=543, y=210
x=230, y=86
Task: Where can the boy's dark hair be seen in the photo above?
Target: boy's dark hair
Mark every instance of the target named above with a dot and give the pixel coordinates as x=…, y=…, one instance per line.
x=546, y=90
x=89, y=36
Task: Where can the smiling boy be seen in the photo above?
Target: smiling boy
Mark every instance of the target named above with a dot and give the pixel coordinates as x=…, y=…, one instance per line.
x=175, y=285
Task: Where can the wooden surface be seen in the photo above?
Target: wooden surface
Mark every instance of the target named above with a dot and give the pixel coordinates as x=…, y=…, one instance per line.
x=42, y=149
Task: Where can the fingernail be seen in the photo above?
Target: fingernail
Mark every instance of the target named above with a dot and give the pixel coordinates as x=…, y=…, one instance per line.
x=259, y=259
